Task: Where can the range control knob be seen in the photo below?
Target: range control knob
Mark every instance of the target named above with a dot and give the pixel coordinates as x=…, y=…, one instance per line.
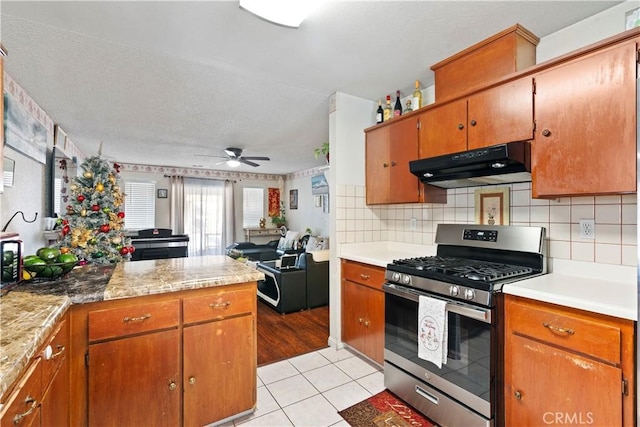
x=454, y=291
x=395, y=277
x=406, y=279
x=469, y=294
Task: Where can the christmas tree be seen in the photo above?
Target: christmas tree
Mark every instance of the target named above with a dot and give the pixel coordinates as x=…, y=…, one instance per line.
x=93, y=225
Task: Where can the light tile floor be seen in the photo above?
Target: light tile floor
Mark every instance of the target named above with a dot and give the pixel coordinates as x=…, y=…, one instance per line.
x=309, y=390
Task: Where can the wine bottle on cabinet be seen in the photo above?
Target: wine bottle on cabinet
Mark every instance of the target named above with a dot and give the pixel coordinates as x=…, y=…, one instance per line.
x=379, y=112
x=417, y=97
x=388, y=113
x=397, y=109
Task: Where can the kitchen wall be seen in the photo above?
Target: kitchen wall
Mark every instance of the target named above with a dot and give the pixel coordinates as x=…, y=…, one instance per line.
x=308, y=215
x=615, y=218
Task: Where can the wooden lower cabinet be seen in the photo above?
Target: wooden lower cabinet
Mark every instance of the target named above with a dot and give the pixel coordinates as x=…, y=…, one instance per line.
x=41, y=396
x=220, y=353
x=363, y=309
x=130, y=379
x=566, y=366
x=184, y=358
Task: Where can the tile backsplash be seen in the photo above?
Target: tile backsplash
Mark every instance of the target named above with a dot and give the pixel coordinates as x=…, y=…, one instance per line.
x=615, y=221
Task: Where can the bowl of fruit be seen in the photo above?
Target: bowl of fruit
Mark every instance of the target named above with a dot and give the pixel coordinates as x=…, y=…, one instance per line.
x=48, y=264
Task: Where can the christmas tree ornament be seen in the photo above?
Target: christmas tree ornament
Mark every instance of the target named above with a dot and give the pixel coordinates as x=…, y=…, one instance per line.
x=70, y=210
x=124, y=250
x=116, y=241
x=106, y=209
x=73, y=187
x=116, y=188
x=104, y=228
x=131, y=249
x=112, y=179
x=83, y=212
x=95, y=208
x=121, y=215
x=99, y=187
x=88, y=174
x=98, y=254
x=80, y=198
x=92, y=241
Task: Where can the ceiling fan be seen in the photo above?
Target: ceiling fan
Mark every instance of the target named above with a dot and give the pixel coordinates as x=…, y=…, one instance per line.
x=234, y=158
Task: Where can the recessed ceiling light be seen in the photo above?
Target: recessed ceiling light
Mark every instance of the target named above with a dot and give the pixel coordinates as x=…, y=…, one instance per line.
x=233, y=163
x=288, y=13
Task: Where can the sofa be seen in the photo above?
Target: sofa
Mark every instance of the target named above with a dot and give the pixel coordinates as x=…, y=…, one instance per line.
x=304, y=286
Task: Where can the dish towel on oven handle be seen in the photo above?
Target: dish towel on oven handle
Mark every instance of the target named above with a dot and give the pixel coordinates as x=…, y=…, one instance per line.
x=432, y=330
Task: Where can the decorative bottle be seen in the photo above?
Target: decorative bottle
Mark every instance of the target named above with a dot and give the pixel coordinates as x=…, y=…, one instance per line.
x=388, y=114
x=397, y=109
x=379, y=112
x=417, y=97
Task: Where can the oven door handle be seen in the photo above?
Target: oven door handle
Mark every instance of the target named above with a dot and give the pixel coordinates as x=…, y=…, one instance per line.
x=477, y=313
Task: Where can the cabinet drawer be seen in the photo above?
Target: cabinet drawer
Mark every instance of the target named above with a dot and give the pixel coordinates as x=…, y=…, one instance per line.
x=111, y=323
x=22, y=408
x=53, y=356
x=364, y=274
x=574, y=331
x=218, y=305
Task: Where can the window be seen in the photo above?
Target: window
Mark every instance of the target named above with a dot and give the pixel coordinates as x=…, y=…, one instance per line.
x=139, y=205
x=252, y=206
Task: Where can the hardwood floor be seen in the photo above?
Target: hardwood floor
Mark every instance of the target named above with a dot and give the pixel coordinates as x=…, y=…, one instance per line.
x=283, y=336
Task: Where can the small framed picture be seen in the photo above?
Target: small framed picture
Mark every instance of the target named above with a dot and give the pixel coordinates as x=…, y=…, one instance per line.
x=293, y=199
x=492, y=206
x=162, y=193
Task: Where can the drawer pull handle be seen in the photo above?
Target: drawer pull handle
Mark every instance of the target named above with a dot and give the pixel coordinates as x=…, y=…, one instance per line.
x=557, y=329
x=136, y=319
x=364, y=276
x=192, y=380
x=360, y=320
x=366, y=323
x=223, y=305
x=60, y=349
x=518, y=395
x=34, y=404
x=172, y=385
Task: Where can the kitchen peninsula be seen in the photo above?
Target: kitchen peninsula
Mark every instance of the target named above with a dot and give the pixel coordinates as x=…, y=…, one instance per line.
x=149, y=340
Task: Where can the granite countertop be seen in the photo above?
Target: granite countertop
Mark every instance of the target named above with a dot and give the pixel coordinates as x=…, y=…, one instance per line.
x=27, y=319
x=29, y=312
x=599, y=288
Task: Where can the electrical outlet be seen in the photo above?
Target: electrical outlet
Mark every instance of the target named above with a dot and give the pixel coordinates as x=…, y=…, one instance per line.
x=413, y=224
x=587, y=229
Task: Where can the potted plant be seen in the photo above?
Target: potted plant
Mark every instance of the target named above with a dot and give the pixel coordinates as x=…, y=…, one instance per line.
x=281, y=219
x=322, y=150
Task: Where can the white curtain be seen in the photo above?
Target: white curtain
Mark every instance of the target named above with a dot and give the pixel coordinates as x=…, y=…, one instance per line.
x=176, y=215
x=208, y=215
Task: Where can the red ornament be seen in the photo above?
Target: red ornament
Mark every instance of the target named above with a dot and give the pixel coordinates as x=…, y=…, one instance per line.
x=65, y=222
x=124, y=251
x=65, y=230
x=95, y=208
x=104, y=228
x=116, y=167
x=120, y=214
x=80, y=198
x=131, y=249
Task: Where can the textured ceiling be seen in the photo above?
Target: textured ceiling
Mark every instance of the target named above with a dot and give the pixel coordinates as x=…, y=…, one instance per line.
x=160, y=82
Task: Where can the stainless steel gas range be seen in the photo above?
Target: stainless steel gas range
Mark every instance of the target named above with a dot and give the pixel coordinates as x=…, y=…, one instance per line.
x=470, y=267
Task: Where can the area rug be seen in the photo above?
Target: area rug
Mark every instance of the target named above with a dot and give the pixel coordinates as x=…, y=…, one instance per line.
x=384, y=410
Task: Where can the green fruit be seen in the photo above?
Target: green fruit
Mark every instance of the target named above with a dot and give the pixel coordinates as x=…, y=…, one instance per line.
x=68, y=261
x=48, y=254
x=33, y=264
x=7, y=257
x=51, y=271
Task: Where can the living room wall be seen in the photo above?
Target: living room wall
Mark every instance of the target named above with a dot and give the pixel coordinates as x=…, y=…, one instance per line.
x=308, y=213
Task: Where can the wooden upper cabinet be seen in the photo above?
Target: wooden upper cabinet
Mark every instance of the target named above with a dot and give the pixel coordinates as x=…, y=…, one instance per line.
x=389, y=149
x=585, y=140
x=501, y=114
x=497, y=115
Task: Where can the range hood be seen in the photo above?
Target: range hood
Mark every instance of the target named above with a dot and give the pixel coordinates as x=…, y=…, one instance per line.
x=500, y=164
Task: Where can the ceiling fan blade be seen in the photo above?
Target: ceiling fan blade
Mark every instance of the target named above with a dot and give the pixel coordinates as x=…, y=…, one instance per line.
x=255, y=158
x=247, y=162
x=233, y=152
x=209, y=155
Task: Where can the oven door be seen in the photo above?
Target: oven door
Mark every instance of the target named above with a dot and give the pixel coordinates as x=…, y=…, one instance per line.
x=468, y=376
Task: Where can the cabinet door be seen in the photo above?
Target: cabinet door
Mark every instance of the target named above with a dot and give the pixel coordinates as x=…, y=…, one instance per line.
x=135, y=381
x=585, y=140
x=501, y=114
x=219, y=370
x=353, y=314
x=403, y=147
x=374, y=325
x=377, y=165
x=55, y=403
x=22, y=408
x=545, y=385
x=443, y=129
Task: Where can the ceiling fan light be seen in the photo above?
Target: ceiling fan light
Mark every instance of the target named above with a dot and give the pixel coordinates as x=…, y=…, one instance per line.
x=288, y=13
x=232, y=163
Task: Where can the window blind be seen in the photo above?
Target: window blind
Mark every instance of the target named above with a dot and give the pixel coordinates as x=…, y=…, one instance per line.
x=252, y=206
x=139, y=205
